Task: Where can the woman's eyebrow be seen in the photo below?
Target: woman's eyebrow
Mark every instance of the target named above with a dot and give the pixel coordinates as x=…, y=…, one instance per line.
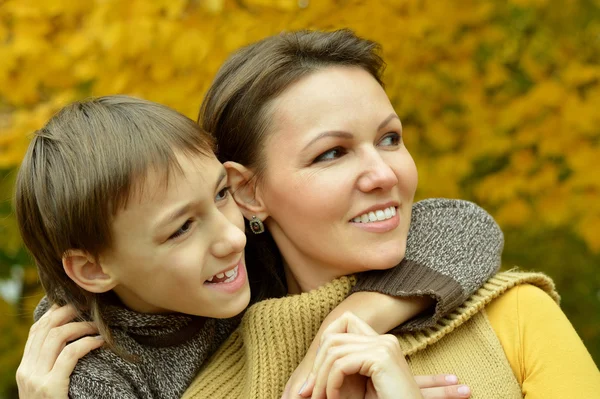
x=329, y=133
x=346, y=135
x=387, y=120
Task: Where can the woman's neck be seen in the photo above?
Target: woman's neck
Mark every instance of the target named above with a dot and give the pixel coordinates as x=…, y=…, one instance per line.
x=298, y=283
x=302, y=272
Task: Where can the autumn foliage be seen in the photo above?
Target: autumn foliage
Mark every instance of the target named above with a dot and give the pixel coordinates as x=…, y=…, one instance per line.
x=499, y=101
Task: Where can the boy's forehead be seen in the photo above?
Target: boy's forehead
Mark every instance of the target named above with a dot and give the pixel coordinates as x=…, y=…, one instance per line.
x=191, y=174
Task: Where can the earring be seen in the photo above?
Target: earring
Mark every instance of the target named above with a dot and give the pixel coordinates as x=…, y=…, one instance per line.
x=256, y=225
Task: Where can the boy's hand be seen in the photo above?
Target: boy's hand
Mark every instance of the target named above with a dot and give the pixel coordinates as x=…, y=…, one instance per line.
x=48, y=360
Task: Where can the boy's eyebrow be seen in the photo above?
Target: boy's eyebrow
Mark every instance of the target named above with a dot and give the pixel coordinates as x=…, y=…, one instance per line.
x=177, y=213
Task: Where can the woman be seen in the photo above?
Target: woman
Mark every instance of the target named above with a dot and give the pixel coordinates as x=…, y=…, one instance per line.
x=305, y=113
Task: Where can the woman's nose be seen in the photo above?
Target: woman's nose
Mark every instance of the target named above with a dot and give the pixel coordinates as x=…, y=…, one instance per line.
x=376, y=174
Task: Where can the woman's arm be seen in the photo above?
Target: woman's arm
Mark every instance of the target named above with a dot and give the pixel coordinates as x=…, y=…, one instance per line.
x=49, y=358
x=546, y=354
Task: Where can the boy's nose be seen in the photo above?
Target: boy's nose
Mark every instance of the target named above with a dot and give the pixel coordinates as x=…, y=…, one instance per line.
x=232, y=240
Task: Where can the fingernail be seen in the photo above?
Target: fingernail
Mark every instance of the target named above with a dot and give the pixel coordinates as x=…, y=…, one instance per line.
x=463, y=390
x=302, y=387
x=99, y=337
x=452, y=379
x=317, y=352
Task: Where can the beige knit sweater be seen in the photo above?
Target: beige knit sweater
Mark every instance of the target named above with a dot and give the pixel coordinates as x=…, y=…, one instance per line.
x=257, y=360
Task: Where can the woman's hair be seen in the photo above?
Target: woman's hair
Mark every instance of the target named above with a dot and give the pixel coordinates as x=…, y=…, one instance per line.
x=236, y=108
x=80, y=170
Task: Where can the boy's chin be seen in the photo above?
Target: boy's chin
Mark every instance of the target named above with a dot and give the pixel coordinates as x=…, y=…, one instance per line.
x=235, y=306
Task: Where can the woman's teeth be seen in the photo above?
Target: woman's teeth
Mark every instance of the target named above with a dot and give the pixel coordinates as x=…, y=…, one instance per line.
x=225, y=277
x=376, y=216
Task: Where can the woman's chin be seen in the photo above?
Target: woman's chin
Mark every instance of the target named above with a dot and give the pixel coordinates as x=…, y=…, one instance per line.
x=382, y=261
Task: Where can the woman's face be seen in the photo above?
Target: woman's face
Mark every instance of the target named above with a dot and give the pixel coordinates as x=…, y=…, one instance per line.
x=339, y=183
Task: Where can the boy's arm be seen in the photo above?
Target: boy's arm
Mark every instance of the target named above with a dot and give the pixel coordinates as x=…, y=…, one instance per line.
x=453, y=247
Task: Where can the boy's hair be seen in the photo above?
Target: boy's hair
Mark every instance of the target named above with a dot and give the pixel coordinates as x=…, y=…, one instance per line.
x=81, y=169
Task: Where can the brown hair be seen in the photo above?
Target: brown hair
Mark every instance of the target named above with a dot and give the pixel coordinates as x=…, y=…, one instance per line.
x=80, y=169
x=236, y=107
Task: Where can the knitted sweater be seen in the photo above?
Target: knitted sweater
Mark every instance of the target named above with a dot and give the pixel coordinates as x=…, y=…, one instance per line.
x=453, y=247
x=259, y=357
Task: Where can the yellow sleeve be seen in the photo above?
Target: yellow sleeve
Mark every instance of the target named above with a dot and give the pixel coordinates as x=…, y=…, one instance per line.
x=542, y=347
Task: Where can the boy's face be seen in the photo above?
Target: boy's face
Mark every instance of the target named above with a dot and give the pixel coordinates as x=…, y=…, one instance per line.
x=180, y=247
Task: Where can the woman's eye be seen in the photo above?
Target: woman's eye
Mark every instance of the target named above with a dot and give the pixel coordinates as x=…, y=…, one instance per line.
x=224, y=193
x=391, y=140
x=334, y=153
x=183, y=229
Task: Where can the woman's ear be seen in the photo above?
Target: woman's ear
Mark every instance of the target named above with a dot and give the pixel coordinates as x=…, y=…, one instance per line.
x=86, y=272
x=245, y=191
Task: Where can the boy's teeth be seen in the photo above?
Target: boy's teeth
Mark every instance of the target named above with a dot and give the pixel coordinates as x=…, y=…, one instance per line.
x=382, y=214
x=230, y=274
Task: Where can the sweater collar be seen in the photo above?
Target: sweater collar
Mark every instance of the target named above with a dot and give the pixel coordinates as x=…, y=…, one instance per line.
x=157, y=330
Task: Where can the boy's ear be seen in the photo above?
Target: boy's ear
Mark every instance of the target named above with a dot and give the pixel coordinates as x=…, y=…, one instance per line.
x=246, y=192
x=86, y=272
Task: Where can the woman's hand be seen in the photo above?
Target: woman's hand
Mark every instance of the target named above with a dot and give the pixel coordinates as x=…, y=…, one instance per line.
x=49, y=358
x=350, y=347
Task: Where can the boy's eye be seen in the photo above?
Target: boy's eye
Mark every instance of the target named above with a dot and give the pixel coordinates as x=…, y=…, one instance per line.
x=183, y=229
x=329, y=155
x=224, y=193
x=391, y=140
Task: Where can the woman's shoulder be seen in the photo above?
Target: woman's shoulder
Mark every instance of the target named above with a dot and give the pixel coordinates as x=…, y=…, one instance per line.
x=521, y=301
x=543, y=349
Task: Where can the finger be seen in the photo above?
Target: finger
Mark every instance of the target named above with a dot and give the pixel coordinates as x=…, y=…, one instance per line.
x=32, y=329
x=353, y=363
x=436, y=380
x=348, y=323
x=323, y=372
x=286, y=391
x=70, y=355
x=324, y=358
x=55, y=316
x=57, y=339
x=449, y=392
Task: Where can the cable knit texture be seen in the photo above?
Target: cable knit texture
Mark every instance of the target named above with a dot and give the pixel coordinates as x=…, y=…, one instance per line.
x=465, y=234
x=171, y=348
x=259, y=357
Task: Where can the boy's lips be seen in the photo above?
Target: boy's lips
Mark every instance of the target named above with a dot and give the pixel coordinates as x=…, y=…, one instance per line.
x=230, y=282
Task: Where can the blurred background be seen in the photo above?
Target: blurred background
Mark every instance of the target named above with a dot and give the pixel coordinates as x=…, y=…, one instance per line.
x=499, y=101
